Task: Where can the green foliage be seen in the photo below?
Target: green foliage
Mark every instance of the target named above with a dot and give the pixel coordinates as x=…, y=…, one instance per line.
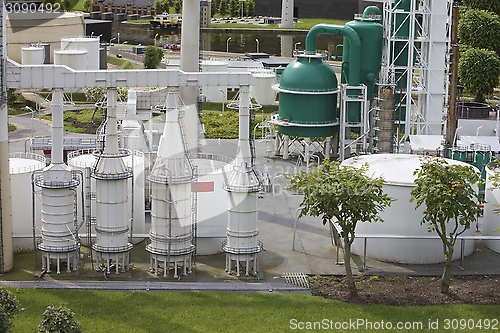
x=96, y=94
x=479, y=71
x=166, y=6
x=223, y=7
x=9, y=303
x=11, y=128
x=489, y=5
x=9, y=307
x=213, y=8
x=220, y=125
x=344, y=195
x=58, y=319
x=158, y=7
x=86, y=4
x=178, y=6
x=480, y=29
x=4, y=322
x=233, y=8
x=152, y=57
x=447, y=193
x=250, y=8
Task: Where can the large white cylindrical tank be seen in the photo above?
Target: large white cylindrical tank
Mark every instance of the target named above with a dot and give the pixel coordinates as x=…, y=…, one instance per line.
x=401, y=218
x=213, y=170
x=32, y=55
x=215, y=93
x=491, y=221
x=263, y=89
x=76, y=59
x=22, y=166
x=83, y=159
x=91, y=44
x=136, y=158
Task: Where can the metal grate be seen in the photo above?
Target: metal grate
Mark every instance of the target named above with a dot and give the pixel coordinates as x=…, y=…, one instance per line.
x=297, y=279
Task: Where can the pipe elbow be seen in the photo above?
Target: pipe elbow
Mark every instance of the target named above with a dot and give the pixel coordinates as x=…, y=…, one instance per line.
x=320, y=29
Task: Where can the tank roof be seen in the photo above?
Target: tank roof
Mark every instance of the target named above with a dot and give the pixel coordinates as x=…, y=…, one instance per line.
x=396, y=169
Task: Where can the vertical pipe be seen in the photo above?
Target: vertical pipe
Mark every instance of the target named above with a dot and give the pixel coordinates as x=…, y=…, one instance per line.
x=190, y=46
x=111, y=146
x=57, y=126
x=6, y=255
x=451, y=123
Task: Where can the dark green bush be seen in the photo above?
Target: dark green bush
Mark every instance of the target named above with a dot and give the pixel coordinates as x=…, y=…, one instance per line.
x=58, y=320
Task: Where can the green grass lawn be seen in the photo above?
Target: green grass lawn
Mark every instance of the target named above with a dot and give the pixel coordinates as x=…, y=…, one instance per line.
x=77, y=5
x=84, y=117
x=123, y=63
x=149, y=312
x=11, y=127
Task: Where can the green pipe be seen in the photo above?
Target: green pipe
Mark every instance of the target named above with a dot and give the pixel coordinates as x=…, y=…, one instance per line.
x=338, y=30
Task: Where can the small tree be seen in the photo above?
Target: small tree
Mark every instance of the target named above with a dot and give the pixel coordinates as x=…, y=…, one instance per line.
x=178, y=6
x=158, y=7
x=447, y=193
x=58, y=319
x=344, y=195
x=152, y=57
x=223, y=7
x=479, y=71
x=250, y=8
x=166, y=6
x=479, y=29
x=9, y=307
x=213, y=8
x=233, y=8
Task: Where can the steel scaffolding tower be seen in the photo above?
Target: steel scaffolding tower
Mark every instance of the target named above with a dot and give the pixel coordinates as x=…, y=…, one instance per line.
x=416, y=45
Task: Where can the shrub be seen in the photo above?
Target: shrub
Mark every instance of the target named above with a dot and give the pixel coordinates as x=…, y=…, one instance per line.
x=478, y=71
x=10, y=304
x=58, y=319
x=480, y=29
x=4, y=322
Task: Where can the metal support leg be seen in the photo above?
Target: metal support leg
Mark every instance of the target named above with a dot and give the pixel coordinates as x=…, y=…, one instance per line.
x=462, y=246
x=364, y=255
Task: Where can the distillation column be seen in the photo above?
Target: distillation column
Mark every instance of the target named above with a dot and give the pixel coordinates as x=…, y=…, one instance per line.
x=112, y=216
x=171, y=177
x=58, y=183
x=242, y=244
x=6, y=255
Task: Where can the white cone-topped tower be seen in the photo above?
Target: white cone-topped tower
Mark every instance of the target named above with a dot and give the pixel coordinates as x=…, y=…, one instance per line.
x=171, y=233
x=242, y=244
x=59, y=235
x=112, y=220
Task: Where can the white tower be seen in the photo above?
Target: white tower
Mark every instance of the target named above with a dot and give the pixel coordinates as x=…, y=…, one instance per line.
x=112, y=217
x=287, y=14
x=242, y=244
x=414, y=62
x=171, y=232
x=59, y=234
x=190, y=46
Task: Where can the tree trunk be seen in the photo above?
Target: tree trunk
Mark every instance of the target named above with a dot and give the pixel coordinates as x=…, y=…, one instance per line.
x=445, y=279
x=348, y=273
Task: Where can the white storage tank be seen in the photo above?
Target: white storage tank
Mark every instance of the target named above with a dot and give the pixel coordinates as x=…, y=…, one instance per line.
x=263, y=89
x=491, y=221
x=32, y=55
x=401, y=218
x=90, y=44
x=215, y=93
x=83, y=159
x=22, y=166
x=76, y=59
x=213, y=170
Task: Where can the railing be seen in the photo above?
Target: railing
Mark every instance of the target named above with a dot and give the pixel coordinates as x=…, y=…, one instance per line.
x=27, y=168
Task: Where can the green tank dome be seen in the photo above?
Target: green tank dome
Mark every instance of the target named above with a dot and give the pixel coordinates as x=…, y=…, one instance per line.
x=307, y=73
x=307, y=97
